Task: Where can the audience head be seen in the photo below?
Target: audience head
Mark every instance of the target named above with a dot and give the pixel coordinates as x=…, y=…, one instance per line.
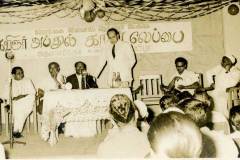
x=235, y=117
x=181, y=64
x=205, y=98
x=175, y=135
x=17, y=73
x=113, y=35
x=228, y=62
x=54, y=69
x=168, y=101
x=122, y=108
x=183, y=95
x=80, y=67
x=196, y=110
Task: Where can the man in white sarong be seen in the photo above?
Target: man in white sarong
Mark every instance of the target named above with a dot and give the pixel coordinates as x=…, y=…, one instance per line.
x=23, y=96
x=226, y=76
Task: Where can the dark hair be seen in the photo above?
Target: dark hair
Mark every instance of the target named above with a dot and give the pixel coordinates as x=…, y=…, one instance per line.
x=234, y=119
x=84, y=65
x=114, y=30
x=233, y=63
x=14, y=70
x=122, y=108
x=234, y=110
x=163, y=100
x=196, y=110
x=53, y=63
x=181, y=59
x=184, y=95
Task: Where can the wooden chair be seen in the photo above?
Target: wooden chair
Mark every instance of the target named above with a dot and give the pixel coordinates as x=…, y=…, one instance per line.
x=233, y=97
x=150, y=92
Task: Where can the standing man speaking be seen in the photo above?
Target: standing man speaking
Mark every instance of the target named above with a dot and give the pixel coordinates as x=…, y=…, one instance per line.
x=120, y=59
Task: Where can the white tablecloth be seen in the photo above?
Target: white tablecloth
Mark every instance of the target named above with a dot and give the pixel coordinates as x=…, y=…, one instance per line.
x=87, y=105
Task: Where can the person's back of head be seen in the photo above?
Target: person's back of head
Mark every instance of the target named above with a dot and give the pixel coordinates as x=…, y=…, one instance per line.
x=196, y=110
x=183, y=95
x=235, y=117
x=205, y=98
x=122, y=108
x=175, y=135
x=167, y=101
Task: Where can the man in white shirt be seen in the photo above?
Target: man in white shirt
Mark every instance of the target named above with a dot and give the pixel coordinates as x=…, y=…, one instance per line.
x=120, y=58
x=54, y=80
x=183, y=79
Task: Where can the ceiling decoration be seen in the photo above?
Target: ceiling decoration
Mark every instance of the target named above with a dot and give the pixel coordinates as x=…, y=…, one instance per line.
x=22, y=11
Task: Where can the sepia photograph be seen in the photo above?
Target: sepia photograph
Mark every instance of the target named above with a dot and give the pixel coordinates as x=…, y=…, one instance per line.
x=119, y=79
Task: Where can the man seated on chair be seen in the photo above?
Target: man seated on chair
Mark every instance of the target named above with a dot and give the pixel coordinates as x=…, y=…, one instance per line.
x=53, y=81
x=23, y=98
x=183, y=79
x=81, y=79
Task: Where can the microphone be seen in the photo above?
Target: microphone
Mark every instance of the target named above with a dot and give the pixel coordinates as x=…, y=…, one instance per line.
x=9, y=55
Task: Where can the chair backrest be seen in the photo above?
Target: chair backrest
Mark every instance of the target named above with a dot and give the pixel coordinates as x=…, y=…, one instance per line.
x=233, y=97
x=150, y=85
x=150, y=92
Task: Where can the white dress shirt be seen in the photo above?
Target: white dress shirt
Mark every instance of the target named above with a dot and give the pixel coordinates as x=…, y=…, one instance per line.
x=123, y=62
x=188, y=78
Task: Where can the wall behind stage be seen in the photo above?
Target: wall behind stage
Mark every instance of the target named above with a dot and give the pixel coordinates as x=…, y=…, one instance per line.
x=208, y=48
x=207, y=34
x=231, y=28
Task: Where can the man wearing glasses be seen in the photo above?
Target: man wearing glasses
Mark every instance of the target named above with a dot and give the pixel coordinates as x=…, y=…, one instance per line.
x=183, y=79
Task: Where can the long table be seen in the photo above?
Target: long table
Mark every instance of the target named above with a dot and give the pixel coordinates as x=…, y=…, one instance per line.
x=88, y=105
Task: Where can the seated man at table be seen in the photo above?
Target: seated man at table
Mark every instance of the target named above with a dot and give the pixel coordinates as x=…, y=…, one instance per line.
x=53, y=81
x=183, y=79
x=81, y=79
x=23, y=96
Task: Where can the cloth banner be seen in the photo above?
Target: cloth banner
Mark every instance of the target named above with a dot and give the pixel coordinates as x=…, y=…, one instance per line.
x=90, y=41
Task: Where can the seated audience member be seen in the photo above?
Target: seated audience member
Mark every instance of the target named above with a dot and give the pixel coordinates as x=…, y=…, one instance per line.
x=215, y=143
x=235, y=124
x=168, y=101
x=174, y=135
x=205, y=98
x=23, y=94
x=226, y=76
x=124, y=140
x=81, y=79
x=183, y=79
x=2, y=152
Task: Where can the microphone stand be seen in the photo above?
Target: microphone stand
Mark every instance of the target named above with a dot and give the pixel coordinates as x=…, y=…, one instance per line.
x=11, y=140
